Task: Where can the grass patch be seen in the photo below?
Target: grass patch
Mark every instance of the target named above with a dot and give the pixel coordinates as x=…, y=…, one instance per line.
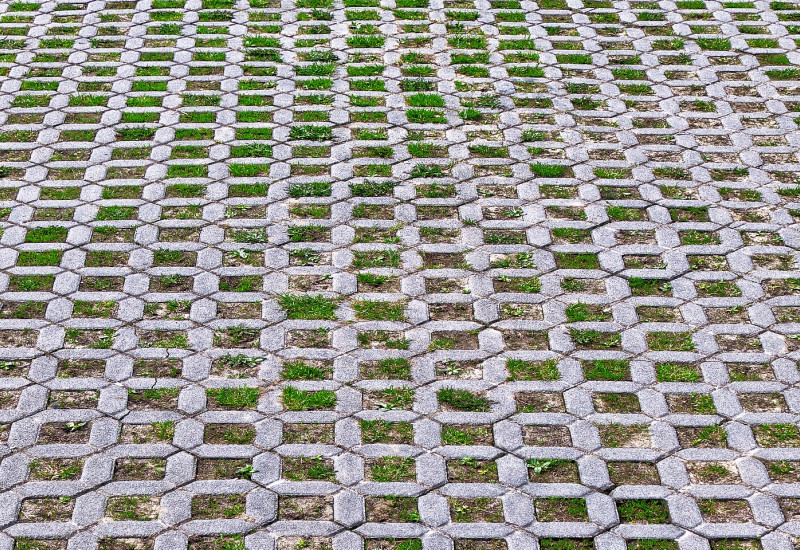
x=301, y=400
x=607, y=369
x=670, y=341
x=30, y=258
x=302, y=306
x=463, y=400
x=677, y=372
x=379, y=311
x=532, y=370
x=46, y=235
x=300, y=370
x=234, y=398
x=644, y=510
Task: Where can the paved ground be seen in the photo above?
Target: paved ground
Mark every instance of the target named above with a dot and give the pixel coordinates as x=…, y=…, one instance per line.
x=399, y=275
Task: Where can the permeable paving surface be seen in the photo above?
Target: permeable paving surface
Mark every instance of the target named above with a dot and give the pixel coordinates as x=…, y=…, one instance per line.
x=399, y=275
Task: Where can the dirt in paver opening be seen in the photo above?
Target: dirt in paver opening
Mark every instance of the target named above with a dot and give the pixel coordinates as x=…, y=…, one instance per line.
x=624, y=435
x=386, y=369
x=633, y=473
x=450, y=369
x=444, y=285
x=236, y=365
x=22, y=310
x=158, y=368
x=442, y=260
x=308, y=433
x=391, y=469
x=736, y=544
x=702, y=437
x=497, y=190
x=476, y=510
x=750, y=372
x=723, y=315
x=552, y=470
x=639, y=236
x=713, y=472
x=725, y=511
x=229, y=434
x=783, y=471
x=643, y=261
x=23, y=543
x=521, y=311
x=55, y=469
x=153, y=399
x=172, y=310
x=320, y=338
x=224, y=468
x=13, y=368
x=790, y=508
x=133, y=508
x=311, y=283
x=452, y=339
x=777, y=435
x=691, y=403
x=111, y=234
x=46, y=509
x=580, y=285
x=240, y=337
x=619, y=403
x=786, y=314
x=219, y=507
x=561, y=509
x=126, y=544
x=81, y=368
x=88, y=338
x=763, y=402
x=215, y=542
x=466, y=434
x=738, y=343
x=471, y=470
x=397, y=397
x=652, y=544
x=243, y=257
x=76, y=431
x=157, y=432
x=78, y=399
x=566, y=544
x=781, y=287
x=480, y=544
x=139, y=469
x=368, y=282
x=707, y=262
x=314, y=508
x=526, y=340
x=25, y=338
x=101, y=284
x=546, y=436
x=9, y=399
x=304, y=543
x=392, y=509
x=308, y=468
x=450, y=312
x=393, y=544
x=179, y=234
x=436, y=235
x=540, y=402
